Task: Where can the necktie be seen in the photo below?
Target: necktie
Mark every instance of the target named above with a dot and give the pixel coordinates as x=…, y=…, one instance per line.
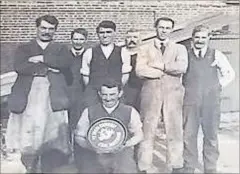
x=77, y=53
x=162, y=48
x=200, y=54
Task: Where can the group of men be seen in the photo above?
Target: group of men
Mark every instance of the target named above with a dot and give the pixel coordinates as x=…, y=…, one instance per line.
x=61, y=92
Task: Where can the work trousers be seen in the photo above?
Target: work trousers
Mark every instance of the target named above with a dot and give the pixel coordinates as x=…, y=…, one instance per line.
x=202, y=110
x=162, y=102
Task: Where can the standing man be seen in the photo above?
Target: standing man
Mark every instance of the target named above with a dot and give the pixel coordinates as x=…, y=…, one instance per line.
x=161, y=65
x=120, y=161
x=208, y=72
x=133, y=88
x=78, y=39
x=104, y=60
x=39, y=99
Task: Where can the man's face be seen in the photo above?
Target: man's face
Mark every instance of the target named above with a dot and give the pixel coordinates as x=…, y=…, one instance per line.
x=164, y=28
x=78, y=40
x=45, y=31
x=106, y=35
x=201, y=39
x=109, y=96
x=132, y=39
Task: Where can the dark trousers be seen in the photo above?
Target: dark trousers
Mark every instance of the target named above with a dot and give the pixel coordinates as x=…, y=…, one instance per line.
x=132, y=96
x=91, y=96
x=49, y=161
x=89, y=162
x=204, y=111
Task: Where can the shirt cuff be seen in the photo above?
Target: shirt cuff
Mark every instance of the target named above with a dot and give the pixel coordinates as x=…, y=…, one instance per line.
x=126, y=69
x=84, y=72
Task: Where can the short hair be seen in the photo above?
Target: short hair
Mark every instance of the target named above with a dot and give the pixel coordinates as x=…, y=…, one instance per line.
x=49, y=18
x=164, y=19
x=82, y=31
x=200, y=28
x=111, y=83
x=132, y=30
x=106, y=24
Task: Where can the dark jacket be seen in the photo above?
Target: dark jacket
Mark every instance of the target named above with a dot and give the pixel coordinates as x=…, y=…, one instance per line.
x=55, y=56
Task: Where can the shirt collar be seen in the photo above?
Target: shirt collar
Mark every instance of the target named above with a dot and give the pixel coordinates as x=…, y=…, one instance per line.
x=196, y=51
x=110, y=110
x=43, y=45
x=158, y=43
x=77, y=51
x=108, y=47
x=131, y=51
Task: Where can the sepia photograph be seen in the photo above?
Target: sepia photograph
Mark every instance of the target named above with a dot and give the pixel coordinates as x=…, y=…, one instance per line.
x=119, y=86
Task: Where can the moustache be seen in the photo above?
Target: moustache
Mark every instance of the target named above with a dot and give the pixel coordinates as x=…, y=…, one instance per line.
x=132, y=43
x=46, y=34
x=200, y=43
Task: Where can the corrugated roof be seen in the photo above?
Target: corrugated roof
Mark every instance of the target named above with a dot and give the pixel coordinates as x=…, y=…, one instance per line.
x=216, y=22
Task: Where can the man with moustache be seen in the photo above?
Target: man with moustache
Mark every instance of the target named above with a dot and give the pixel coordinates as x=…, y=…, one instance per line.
x=133, y=88
x=104, y=60
x=39, y=99
x=208, y=72
x=161, y=64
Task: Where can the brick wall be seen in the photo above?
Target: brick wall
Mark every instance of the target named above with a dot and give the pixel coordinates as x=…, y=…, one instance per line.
x=18, y=16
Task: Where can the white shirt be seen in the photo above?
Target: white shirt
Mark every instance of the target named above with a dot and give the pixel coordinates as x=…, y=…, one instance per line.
x=107, y=50
x=226, y=73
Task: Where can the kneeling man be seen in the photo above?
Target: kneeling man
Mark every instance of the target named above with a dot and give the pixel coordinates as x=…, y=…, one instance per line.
x=115, y=161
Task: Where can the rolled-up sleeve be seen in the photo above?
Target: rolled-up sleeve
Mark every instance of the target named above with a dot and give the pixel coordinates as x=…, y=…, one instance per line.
x=83, y=125
x=179, y=66
x=86, y=60
x=143, y=70
x=135, y=124
x=226, y=73
x=126, y=59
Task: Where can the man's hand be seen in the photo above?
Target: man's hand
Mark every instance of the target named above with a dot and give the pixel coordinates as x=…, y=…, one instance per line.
x=36, y=59
x=157, y=65
x=54, y=70
x=215, y=63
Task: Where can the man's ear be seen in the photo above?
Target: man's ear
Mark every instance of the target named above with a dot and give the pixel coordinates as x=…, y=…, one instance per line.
x=99, y=93
x=120, y=93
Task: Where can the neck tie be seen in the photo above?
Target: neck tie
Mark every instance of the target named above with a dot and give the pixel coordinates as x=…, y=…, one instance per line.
x=200, y=54
x=162, y=48
x=77, y=53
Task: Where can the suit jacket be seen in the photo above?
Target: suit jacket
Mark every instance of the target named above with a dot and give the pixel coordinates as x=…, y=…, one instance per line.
x=55, y=56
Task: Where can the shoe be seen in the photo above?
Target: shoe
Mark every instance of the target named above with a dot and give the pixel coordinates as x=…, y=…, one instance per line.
x=208, y=171
x=177, y=170
x=188, y=170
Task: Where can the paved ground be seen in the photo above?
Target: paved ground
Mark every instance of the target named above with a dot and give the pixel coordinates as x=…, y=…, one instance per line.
x=228, y=144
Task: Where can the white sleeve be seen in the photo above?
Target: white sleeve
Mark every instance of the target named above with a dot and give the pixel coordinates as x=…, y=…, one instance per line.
x=86, y=60
x=226, y=73
x=135, y=125
x=126, y=59
x=83, y=125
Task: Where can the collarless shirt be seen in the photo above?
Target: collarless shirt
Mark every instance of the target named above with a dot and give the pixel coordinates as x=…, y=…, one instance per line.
x=107, y=50
x=87, y=58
